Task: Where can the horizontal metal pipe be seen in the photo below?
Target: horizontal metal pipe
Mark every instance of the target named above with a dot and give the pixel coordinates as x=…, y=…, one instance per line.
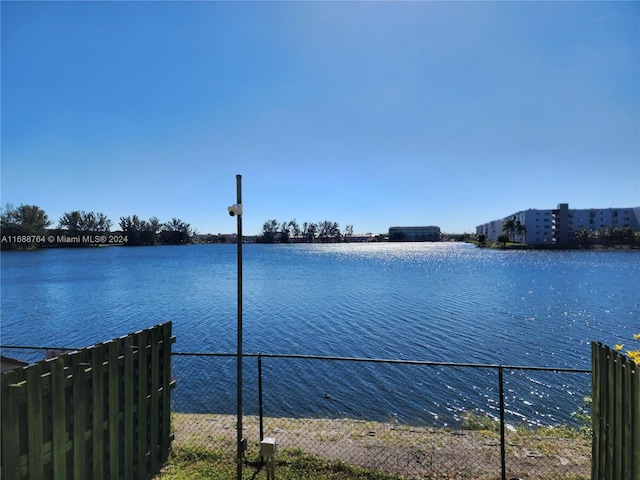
x=345, y=359
x=387, y=360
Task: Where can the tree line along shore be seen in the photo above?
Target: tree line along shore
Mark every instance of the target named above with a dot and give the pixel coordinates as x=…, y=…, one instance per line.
x=28, y=227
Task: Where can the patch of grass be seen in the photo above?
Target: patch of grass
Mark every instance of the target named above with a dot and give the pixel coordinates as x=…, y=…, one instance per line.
x=295, y=464
x=556, y=431
x=195, y=463
x=484, y=423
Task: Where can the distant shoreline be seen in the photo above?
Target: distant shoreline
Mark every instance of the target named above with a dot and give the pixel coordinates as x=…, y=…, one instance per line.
x=590, y=248
x=117, y=239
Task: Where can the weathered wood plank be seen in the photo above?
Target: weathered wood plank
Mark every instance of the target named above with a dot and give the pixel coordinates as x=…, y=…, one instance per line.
x=609, y=414
x=129, y=382
x=604, y=397
x=114, y=410
x=35, y=421
x=143, y=424
x=59, y=417
x=11, y=425
x=617, y=426
x=156, y=337
x=596, y=377
x=167, y=341
x=627, y=419
x=98, y=415
x=79, y=367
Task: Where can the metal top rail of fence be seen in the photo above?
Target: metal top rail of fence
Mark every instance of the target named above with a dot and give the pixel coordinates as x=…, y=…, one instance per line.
x=387, y=360
x=334, y=358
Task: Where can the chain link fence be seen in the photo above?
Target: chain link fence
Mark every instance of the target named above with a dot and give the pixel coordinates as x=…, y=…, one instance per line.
x=415, y=420
x=412, y=419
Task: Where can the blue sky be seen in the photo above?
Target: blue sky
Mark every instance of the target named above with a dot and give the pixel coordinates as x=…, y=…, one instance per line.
x=371, y=114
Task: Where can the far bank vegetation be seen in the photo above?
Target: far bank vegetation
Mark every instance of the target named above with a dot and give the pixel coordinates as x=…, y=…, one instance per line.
x=290, y=231
x=28, y=227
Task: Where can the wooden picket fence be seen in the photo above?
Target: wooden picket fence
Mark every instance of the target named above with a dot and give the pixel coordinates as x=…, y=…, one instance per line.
x=102, y=412
x=616, y=415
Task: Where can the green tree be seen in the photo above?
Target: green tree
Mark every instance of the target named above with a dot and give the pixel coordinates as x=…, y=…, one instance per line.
x=25, y=220
x=149, y=231
x=269, y=230
x=348, y=232
x=295, y=228
x=32, y=220
x=603, y=236
x=285, y=232
x=628, y=235
x=79, y=221
x=504, y=238
x=131, y=227
x=101, y=222
x=71, y=221
x=615, y=235
x=328, y=231
x=521, y=230
x=509, y=227
x=583, y=238
x=175, y=232
x=309, y=231
x=512, y=227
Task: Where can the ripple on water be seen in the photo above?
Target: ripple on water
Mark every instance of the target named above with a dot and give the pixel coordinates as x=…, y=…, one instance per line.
x=434, y=302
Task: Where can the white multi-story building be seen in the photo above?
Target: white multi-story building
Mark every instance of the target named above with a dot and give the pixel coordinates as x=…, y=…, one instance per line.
x=538, y=227
x=558, y=226
x=491, y=230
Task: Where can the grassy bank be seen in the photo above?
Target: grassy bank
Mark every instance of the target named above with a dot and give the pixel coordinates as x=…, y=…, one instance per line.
x=346, y=449
x=197, y=462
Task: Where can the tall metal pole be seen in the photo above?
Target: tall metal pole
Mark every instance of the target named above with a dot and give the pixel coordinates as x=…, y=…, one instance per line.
x=240, y=438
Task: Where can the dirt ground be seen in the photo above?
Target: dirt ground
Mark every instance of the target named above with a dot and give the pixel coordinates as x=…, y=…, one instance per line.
x=409, y=451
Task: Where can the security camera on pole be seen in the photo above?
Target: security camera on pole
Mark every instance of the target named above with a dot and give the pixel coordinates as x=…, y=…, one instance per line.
x=236, y=211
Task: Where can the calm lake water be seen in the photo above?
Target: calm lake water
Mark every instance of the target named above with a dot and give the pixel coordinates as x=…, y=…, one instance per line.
x=420, y=301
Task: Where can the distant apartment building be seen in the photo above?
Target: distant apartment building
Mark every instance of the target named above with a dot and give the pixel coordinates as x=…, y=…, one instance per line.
x=414, y=234
x=538, y=227
x=558, y=226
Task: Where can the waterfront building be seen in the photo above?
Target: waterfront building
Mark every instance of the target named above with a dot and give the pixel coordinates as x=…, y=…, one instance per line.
x=414, y=234
x=558, y=226
x=538, y=227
